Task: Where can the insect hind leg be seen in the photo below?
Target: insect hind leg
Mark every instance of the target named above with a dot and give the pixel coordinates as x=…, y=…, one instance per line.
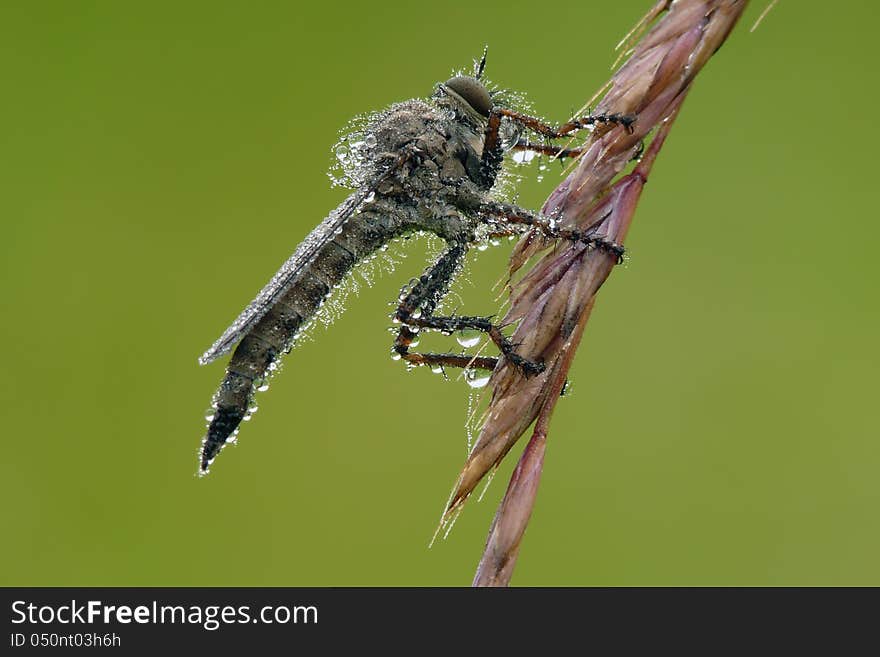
x=451, y=324
x=462, y=361
x=416, y=312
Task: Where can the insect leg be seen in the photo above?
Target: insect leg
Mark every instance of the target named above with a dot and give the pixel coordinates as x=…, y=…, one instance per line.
x=450, y=324
x=416, y=311
x=462, y=361
x=547, y=130
x=497, y=213
x=493, y=153
x=548, y=149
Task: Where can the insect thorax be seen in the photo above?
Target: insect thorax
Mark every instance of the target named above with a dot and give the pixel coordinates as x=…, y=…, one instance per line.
x=445, y=168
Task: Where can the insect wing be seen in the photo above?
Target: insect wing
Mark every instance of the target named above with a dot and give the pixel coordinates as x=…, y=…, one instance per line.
x=282, y=280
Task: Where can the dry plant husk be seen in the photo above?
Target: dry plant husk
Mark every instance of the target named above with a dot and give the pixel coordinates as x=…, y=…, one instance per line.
x=552, y=302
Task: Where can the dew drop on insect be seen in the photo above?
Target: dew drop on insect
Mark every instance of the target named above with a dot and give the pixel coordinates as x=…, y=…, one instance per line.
x=482, y=246
x=263, y=387
x=209, y=416
x=416, y=314
x=370, y=197
x=395, y=355
x=437, y=369
x=370, y=141
x=477, y=378
x=468, y=337
x=523, y=157
x=414, y=342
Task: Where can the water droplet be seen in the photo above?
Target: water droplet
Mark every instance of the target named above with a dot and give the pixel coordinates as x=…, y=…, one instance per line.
x=468, y=337
x=523, y=157
x=395, y=355
x=370, y=141
x=566, y=389
x=416, y=314
x=414, y=342
x=437, y=369
x=209, y=416
x=477, y=378
x=263, y=387
x=482, y=246
x=370, y=197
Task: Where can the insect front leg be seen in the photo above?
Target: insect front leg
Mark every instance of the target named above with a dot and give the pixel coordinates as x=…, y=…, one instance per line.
x=546, y=130
x=416, y=312
x=493, y=153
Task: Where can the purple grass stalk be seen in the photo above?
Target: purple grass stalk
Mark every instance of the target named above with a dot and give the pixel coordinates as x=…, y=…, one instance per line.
x=512, y=516
x=552, y=302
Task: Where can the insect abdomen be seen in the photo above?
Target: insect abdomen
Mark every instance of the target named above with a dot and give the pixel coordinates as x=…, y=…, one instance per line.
x=274, y=333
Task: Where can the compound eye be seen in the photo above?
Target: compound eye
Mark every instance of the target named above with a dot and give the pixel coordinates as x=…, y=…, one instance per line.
x=472, y=92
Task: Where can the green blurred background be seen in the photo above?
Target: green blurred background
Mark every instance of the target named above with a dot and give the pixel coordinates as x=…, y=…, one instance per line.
x=160, y=160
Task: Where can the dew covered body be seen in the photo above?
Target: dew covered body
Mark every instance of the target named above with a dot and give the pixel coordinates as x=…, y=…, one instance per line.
x=435, y=191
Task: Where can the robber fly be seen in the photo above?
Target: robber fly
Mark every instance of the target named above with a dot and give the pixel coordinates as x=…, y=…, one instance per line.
x=422, y=166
